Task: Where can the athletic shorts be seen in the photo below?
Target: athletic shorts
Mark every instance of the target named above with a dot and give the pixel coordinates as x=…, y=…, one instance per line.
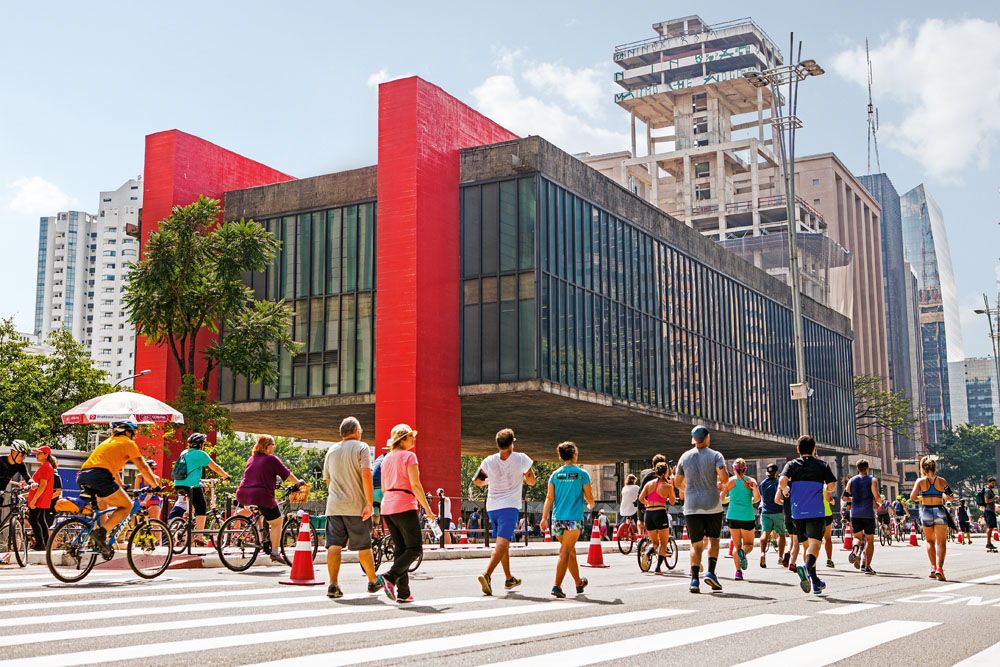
x=737, y=524
x=640, y=510
x=100, y=480
x=965, y=526
x=811, y=529
x=933, y=516
x=829, y=520
x=503, y=522
x=883, y=518
x=341, y=530
x=991, y=519
x=657, y=520
x=862, y=525
x=701, y=526
x=775, y=522
x=196, y=498
x=560, y=527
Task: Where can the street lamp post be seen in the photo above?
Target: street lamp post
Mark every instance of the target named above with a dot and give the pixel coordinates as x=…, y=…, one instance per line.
x=132, y=377
x=990, y=313
x=774, y=78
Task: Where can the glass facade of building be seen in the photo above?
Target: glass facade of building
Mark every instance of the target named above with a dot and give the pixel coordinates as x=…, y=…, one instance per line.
x=557, y=288
x=325, y=271
x=43, y=249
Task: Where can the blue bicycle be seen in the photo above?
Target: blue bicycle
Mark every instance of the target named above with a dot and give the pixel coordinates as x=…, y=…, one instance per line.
x=72, y=551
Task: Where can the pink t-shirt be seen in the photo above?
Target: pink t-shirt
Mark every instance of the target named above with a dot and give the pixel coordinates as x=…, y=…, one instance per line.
x=395, y=475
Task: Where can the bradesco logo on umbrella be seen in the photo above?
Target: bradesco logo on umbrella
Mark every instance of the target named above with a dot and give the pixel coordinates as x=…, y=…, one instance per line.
x=139, y=419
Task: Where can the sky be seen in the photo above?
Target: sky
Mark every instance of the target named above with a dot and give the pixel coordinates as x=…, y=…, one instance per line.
x=294, y=85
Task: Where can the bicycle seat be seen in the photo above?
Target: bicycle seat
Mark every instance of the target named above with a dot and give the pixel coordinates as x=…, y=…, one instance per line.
x=181, y=490
x=87, y=493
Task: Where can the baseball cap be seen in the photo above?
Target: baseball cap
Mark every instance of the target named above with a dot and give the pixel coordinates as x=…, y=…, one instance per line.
x=699, y=432
x=44, y=449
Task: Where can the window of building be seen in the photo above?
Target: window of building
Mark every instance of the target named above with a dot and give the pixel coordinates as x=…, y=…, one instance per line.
x=108, y=253
x=703, y=191
x=815, y=202
x=815, y=182
x=108, y=277
x=701, y=169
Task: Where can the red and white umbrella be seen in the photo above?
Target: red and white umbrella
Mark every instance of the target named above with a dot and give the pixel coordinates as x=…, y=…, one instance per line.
x=122, y=406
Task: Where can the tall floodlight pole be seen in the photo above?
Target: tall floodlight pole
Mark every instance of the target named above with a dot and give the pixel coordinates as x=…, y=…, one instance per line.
x=785, y=127
x=990, y=313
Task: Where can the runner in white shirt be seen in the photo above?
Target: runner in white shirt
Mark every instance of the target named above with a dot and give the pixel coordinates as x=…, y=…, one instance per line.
x=505, y=473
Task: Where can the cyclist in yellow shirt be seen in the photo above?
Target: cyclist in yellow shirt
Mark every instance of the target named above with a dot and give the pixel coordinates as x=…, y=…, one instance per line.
x=101, y=472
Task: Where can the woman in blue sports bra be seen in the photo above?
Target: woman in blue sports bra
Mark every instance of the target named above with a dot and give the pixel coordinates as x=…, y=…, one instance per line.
x=933, y=491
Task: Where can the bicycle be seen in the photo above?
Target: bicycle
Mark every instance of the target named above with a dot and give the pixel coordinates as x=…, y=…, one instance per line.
x=239, y=543
x=628, y=533
x=182, y=528
x=646, y=553
x=71, y=552
x=884, y=534
x=13, y=538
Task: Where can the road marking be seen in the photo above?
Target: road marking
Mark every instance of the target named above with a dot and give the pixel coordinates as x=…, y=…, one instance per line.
x=381, y=626
x=215, y=621
x=642, y=588
x=850, y=609
x=964, y=584
x=41, y=584
x=83, y=589
x=613, y=651
x=840, y=647
x=476, y=639
x=48, y=575
x=981, y=659
x=146, y=601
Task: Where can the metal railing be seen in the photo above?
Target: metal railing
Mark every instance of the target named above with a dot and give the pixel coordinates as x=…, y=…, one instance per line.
x=716, y=27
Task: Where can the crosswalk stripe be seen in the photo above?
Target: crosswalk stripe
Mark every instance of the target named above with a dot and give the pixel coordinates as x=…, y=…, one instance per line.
x=624, y=648
x=16, y=576
x=83, y=589
x=144, y=600
x=642, y=588
x=840, y=647
x=149, y=610
x=982, y=659
x=22, y=585
x=255, y=616
x=506, y=635
x=962, y=584
x=850, y=609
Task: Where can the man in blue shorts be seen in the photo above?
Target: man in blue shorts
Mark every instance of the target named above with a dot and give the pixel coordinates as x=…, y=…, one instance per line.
x=504, y=473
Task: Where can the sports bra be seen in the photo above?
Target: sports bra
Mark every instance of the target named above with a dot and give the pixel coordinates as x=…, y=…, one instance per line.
x=932, y=490
x=654, y=498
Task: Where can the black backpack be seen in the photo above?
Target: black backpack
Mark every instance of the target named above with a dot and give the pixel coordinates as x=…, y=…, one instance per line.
x=180, y=470
x=981, y=498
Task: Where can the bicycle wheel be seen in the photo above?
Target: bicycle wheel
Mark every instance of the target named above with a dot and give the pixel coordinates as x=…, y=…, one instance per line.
x=881, y=536
x=213, y=521
x=671, y=558
x=14, y=541
x=643, y=554
x=290, y=538
x=626, y=538
x=150, y=548
x=238, y=543
x=416, y=564
x=67, y=554
x=178, y=534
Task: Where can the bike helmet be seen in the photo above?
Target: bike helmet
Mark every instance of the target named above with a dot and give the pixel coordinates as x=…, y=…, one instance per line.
x=20, y=446
x=126, y=425
x=196, y=440
x=151, y=463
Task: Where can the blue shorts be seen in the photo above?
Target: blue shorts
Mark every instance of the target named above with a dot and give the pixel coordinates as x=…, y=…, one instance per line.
x=503, y=522
x=933, y=516
x=100, y=480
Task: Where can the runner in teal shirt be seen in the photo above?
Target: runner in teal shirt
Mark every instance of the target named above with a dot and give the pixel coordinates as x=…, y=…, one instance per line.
x=743, y=495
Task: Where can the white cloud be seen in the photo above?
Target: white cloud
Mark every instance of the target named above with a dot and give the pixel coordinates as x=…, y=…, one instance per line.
x=381, y=76
x=583, y=89
x=34, y=195
x=943, y=74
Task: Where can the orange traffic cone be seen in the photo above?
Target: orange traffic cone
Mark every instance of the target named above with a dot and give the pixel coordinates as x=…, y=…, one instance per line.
x=302, y=564
x=595, y=555
x=961, y=538
x=913, y=535
x=848, y=537
x=996, y=535
x=465, y=536
x=614, y=537
x=731, y=545
x=548, y=536
x=685, y=535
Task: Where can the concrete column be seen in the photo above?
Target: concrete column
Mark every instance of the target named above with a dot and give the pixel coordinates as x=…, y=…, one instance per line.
x=632, y=114
x=720, y=191
x=755, y=182
x=654, y=176
x=688, y=192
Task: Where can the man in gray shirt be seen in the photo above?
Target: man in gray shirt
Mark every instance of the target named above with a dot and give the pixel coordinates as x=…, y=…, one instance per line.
x=347, y=470
x=701, y=474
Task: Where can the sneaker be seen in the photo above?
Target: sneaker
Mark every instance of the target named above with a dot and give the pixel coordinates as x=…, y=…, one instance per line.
x=819, y=588
x=803, y=578
x=830, y=563
x=558, y=592
x=784, y=559
x=583, y=584
x=933, y=574
x=484, y=583
x=793, y=568
x=739, y=575
x=511, y=583
x=695, y=587
x=743, y=558
x=387, y=586
x=852, y=558
x=941, y=576
x=868, y=570
x=713, y=581
x=277, y=560
x=374, y=586
x=763, y=561
x=334, y=592
x=408, y=598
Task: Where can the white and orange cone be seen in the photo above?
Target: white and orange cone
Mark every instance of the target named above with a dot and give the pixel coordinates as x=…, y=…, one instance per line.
x=595, y=554
x=913, y=535
x=302, y=564
x=465, y=536
x=548, y=536
x=848, y=537
x=685, y=535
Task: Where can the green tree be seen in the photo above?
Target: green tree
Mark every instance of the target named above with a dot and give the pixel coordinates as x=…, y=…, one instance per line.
x=191, y=279
x=967, y=456
x=232, y=451
x=879, y=411
x=543, y=470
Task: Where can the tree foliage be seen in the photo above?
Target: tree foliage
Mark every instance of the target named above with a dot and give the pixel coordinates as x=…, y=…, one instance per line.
x=967, y=456
x=36, y=389
x=190, y=279
x=879, y=411
x=232, y=452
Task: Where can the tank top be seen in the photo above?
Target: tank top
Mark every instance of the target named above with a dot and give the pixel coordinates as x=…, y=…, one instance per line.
x=740, y=502
x=862, y=500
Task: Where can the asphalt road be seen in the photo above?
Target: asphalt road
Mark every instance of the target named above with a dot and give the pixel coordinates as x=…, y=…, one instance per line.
x=217, y=617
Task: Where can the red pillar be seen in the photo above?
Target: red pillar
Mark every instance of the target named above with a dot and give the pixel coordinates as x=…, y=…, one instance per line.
x=178, y=168
x=420, y=131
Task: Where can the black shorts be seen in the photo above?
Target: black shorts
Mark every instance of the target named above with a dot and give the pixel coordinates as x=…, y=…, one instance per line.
x=811, y=529
x=701, y=526
x=196, y=498
x=965, y=526
x=100, y=480
x=444, y=523
x=991, y=519
x=341, y=530
x=862, y=525
x=657, y=520
x=269, y=513
x=883, y=518
x=829, y=520
x=641, y=512
x=737, y=524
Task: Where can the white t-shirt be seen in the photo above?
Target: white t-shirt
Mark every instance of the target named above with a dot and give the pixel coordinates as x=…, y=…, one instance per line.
x=505, y=480
x=630, y=494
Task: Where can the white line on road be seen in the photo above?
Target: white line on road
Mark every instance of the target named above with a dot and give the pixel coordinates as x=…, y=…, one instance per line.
x=985, y=658
x=16, y=576
x=83, y=589
x=842, y=646
x=588, y=655
x=850, y=609
x=960, y=585
x=642, y=588
x=142, y=600
x=476, y=639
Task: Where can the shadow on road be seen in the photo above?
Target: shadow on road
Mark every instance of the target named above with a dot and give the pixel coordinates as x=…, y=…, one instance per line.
x=742, y=596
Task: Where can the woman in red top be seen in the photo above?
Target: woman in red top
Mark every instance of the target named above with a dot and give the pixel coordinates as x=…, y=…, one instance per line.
x=40, y=497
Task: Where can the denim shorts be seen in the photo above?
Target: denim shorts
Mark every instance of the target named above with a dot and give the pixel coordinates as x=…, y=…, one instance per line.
x=933, y=516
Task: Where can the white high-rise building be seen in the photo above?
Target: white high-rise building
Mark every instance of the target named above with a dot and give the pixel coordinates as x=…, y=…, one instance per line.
x=82, y=262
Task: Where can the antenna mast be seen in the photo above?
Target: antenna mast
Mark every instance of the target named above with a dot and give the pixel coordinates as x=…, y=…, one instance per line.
x=872, y=118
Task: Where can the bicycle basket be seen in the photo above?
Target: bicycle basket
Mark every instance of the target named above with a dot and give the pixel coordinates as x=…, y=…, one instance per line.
x=300, y=496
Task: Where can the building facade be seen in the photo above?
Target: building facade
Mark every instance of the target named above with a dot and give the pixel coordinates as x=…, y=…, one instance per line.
x=982, y=391
x=63, y=278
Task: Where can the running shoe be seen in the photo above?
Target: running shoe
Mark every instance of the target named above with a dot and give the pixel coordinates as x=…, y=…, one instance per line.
x=819, y=588
x=933, y=574
x=583, y=584
x=713, y=581
x=558, y=592
x=852, y=558
x=513, y=582
x=484, y=581
x=743, y=558
x=784, y=559
x=857, y=561
x=408, y=598
x=334, y=592
x=803, y=578
x=793, y=568
x=739, y=575
x=868, y=570
x=763, y=561
x=374, y=586
x=695, y=587
x=830, y=563
x=277, y=560
x=387, y=586
x=941, y=576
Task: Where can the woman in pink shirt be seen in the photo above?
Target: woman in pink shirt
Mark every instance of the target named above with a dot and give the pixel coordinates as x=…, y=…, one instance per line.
x=402, y=492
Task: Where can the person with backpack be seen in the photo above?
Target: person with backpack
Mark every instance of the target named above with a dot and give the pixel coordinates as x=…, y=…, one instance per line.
x=377, y=485
x=187, y=473
x=986, y=499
